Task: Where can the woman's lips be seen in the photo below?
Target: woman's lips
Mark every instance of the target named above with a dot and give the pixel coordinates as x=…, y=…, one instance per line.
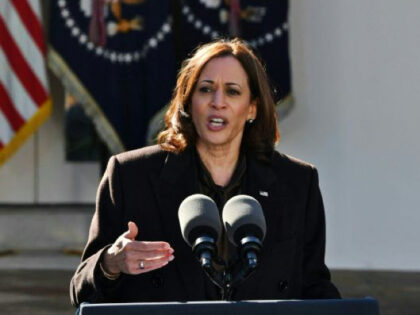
x=216, y=123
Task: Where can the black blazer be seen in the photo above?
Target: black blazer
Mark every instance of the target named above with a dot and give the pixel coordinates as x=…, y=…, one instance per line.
x=146, y=186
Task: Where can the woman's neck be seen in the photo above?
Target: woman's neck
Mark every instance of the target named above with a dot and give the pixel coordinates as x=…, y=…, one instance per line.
x=219, y=161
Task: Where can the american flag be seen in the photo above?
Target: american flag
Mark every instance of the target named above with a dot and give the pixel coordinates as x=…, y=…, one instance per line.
x=24, y=96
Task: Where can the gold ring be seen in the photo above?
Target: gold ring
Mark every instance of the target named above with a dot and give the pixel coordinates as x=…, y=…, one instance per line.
x=141, y=264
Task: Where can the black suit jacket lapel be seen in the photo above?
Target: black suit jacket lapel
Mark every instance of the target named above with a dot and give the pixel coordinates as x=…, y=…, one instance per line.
x=264, y=185
x=272, y=190
x=176, y=182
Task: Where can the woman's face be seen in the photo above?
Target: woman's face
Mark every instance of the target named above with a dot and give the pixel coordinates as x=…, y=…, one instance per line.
x=221, y=103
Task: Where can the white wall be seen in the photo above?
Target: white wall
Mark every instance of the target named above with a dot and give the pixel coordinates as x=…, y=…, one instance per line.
x=356, y=70
x=61, y=181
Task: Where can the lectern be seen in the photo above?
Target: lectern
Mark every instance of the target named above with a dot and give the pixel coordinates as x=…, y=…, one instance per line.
x=366, y=306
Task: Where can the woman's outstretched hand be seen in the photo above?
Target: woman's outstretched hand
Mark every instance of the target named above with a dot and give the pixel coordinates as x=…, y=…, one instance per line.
x=134, y=257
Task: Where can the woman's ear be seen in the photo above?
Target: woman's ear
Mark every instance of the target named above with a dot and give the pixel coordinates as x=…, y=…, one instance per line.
x=252, y=114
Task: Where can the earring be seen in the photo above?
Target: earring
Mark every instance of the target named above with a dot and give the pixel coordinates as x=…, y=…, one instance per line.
x=250, y=121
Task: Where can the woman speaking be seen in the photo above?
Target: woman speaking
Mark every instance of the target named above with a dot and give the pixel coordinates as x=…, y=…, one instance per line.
x=219, y=140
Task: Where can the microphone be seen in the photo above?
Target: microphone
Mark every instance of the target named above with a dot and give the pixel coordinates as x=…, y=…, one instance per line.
x=245, y=227
x=200, y=224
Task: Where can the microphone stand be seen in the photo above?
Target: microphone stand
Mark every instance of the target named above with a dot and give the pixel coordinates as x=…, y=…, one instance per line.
x=249, y=250
x=233, y=280
x=205, y=250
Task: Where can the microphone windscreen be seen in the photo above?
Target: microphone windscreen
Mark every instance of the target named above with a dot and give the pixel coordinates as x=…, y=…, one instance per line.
x=242, y=217
x=198, y=216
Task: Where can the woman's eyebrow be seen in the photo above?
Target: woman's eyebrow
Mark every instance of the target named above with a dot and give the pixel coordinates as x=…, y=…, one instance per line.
x=233, y=83
x=227, y=83
x=207, y=81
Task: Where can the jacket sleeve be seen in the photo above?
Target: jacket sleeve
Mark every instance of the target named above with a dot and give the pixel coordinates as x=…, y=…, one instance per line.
x=88, y=283
x=316, y=276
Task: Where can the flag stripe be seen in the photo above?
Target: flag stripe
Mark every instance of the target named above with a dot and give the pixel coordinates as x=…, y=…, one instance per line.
x=6, y=106
x=20, y=98
x=20, y=66
x=24, y=41
x=32, y=23
x=36, y=8
x=24, y=99
x=6, y=132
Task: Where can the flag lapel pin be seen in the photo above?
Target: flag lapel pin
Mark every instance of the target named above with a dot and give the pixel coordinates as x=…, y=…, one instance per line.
x=263, y=193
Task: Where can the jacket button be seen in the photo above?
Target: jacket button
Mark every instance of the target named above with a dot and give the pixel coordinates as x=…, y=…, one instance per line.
x=283, y=285
x=157, y=281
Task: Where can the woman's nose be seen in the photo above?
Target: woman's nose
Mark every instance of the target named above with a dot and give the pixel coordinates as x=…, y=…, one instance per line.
x=218, y=100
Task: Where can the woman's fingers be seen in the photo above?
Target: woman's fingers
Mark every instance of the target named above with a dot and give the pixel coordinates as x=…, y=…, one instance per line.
x=149, y=250
x=132, y=231
x=153, y=255
x=142, y=266
x=126, y=254
x=148, y=246
x=147, y=255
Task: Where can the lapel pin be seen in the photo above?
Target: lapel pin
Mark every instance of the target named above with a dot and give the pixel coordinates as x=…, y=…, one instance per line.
x=264, y=193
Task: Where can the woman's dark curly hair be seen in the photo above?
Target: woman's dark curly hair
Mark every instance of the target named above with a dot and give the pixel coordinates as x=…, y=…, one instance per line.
x=259, y=137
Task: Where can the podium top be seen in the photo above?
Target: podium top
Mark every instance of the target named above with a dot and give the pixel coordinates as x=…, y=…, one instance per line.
x=366, y=306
